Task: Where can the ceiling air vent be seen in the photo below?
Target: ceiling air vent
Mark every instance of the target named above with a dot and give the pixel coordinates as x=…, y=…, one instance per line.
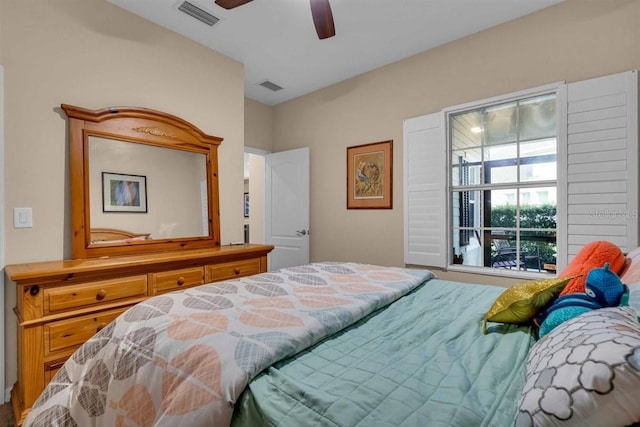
x=195, y=12
x=270, y=85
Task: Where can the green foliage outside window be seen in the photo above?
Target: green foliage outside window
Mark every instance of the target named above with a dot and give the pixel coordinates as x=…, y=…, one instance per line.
x=531, y=216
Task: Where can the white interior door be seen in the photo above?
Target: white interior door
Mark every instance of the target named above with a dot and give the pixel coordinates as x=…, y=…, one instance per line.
x=286, y=206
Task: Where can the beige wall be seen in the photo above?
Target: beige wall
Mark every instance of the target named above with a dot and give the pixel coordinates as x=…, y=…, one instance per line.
x=258, y=128
x=93, y=54
x=573, y=41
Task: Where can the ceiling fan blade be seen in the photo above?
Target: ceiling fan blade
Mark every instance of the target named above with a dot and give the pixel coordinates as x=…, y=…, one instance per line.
x=323, y=18
x=230, y=4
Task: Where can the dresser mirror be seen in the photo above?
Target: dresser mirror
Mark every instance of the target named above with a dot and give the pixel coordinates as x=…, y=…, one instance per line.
x=141, y=181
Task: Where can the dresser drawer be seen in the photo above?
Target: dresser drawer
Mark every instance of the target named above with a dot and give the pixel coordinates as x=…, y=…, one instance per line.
x=230, y=270
x=71, y=297
x=177, y=279
x=69, y=334
x=52, y=368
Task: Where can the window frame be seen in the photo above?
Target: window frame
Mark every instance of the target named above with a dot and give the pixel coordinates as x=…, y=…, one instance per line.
x=558, y=89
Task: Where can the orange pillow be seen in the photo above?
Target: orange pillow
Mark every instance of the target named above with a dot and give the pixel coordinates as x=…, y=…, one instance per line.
x=592, y=255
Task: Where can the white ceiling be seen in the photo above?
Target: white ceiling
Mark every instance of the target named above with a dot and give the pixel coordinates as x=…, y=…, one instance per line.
x=276, y=39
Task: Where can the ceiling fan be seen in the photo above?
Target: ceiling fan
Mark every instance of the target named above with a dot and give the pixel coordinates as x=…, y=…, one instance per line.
x=320, y=10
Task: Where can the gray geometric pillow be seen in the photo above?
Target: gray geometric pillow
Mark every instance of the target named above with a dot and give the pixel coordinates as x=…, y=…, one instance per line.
x=586, y=372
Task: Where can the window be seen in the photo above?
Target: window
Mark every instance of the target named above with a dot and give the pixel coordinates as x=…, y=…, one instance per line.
x=482, y=179
x=503, y=184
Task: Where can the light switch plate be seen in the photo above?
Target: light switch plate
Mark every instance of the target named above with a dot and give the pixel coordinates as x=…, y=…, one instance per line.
x=22, y=218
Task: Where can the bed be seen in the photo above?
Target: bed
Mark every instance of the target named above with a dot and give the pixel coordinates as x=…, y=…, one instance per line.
x=114, y=235
x=325, y=344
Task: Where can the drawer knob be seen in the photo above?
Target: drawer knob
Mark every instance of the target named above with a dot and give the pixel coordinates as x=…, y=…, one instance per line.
x=101, y=295
x=181, y=281
x=237, y=270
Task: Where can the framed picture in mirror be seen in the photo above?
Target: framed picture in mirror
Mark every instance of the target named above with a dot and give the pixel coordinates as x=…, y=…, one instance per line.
x=124, y=193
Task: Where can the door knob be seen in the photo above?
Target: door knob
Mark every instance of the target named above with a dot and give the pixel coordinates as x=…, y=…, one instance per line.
x=301, y=232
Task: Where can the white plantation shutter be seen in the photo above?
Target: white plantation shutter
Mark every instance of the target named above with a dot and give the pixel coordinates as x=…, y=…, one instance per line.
x=425, y=197
x=602, y=162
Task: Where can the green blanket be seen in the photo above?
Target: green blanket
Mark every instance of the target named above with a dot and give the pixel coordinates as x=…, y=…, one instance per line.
x=422, y=361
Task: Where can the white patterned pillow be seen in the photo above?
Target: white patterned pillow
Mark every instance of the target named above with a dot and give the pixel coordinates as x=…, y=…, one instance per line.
x=586, y=372
x=630, y=276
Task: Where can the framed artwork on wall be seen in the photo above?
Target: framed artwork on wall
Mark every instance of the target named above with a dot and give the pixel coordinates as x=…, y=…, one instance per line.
x=369, y=176
x=246, y=205
x=124, y=193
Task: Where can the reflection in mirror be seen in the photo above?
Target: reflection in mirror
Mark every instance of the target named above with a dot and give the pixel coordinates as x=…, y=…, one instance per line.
x=173, y=181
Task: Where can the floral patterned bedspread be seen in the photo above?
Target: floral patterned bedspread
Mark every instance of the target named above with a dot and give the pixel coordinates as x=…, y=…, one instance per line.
x=184, y=358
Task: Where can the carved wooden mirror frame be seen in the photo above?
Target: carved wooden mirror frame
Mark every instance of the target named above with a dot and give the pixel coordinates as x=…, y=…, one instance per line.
x=143, y=126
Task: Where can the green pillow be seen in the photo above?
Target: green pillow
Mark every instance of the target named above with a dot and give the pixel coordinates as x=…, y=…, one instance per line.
x=521, y=302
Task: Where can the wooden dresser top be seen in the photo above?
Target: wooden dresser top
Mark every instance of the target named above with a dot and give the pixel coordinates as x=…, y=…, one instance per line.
x=64, y=269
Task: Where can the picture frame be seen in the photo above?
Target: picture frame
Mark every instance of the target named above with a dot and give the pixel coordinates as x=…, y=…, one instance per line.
x=370, y=176
x=246, y=205
x=124, y=193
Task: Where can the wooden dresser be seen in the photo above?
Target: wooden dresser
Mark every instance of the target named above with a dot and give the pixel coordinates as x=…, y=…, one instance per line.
x=61, y=304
